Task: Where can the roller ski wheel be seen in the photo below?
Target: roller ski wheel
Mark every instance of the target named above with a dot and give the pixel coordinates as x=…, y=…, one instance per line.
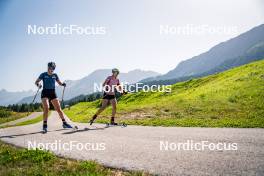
x=75, y=128
x=116, y=124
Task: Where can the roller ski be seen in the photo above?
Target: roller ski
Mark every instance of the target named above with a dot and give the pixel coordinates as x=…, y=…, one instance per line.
x=107, y=125
x=113, y=123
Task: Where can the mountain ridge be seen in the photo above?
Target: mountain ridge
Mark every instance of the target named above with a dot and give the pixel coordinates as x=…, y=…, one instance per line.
x=219, y=53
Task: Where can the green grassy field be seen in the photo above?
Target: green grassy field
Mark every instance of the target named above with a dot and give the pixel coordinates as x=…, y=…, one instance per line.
x=16, y=161
x=234, y=98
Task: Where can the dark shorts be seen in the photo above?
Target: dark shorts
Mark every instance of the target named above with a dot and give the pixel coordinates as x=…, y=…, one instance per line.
x=48, y=93
x=108, y=97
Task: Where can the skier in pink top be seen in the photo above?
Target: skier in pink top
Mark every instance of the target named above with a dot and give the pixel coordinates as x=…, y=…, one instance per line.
x=111, y=84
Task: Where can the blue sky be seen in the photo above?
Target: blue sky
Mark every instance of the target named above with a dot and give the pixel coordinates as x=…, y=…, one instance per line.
x=132, y=39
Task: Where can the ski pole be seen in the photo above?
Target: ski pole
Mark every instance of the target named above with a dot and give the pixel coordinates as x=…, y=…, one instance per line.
x=35, y=95
x=62, y=101
x=34, y=99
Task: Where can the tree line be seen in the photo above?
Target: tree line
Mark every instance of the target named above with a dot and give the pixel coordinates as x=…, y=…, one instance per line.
x=25, y=107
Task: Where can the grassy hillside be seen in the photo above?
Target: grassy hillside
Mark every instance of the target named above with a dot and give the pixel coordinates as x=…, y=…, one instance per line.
x=233, y=98
x=7, y=115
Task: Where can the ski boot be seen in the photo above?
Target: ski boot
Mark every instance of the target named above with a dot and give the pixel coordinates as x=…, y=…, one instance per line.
x=45, y=129
x=112, y=122
x=93, y=119
x=66, y=125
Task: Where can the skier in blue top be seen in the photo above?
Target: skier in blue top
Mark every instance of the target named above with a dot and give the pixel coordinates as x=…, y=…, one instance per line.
x=48, y=93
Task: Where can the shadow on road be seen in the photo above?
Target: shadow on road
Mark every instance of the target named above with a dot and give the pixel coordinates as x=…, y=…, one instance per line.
x=68, y=132
x=17, y=135
x=25, y=134
x=83, y=130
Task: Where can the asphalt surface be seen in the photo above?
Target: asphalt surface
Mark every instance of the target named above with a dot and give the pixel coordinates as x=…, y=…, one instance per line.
x=138, y=147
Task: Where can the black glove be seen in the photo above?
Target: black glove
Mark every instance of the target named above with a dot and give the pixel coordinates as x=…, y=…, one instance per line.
x=64, y=84
x=39, y=86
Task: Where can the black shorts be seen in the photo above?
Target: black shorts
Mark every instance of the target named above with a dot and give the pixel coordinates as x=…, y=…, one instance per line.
x=48, y=93
x=108, y=97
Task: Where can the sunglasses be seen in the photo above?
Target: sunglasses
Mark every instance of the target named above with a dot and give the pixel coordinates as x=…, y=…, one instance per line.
x=52, y=68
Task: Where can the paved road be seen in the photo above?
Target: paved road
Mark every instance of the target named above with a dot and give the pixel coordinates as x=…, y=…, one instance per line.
x=138, y=148
x=29, y=117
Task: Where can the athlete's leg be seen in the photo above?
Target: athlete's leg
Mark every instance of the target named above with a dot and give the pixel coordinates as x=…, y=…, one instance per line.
x=55, y=102
x=102, y=108
x=45, y=104
x=57, y=107
x=113, y=103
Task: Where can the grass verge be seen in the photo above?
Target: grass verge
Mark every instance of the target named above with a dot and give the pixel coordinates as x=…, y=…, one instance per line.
x=13, y=116
x=31, y=121
x=27, y=122
x=18, y=161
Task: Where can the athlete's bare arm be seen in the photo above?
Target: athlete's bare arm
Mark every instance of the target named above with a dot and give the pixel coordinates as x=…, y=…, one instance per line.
x=105, y=82
x=59, y=82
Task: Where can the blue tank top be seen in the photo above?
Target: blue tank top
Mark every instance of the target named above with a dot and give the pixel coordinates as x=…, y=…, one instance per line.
x=48, y=80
